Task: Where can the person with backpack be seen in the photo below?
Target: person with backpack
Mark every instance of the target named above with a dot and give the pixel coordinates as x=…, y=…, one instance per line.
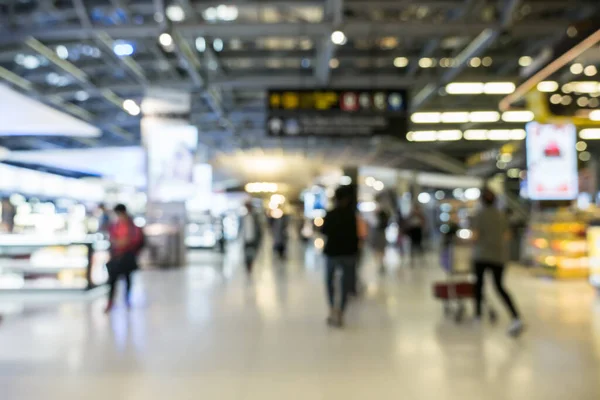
x=126, y=241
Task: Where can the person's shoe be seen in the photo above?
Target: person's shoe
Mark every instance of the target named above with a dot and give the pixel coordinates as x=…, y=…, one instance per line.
x=108, y=308
x=516, y=328
x=335, y=319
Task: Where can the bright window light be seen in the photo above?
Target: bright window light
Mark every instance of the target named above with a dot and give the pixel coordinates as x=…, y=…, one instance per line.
x=424, y=136
x=426, y=62
x=426, y=117
x=517, y=116
x=576, y=69
x=455, y=117
x=525, y=61
x=476, y=134
x=595, y=115
x=590, y=134
x=424, y=198
x=484, y=116
x=122, y=48
x=547, y=86
x=200, y=44
x=499, y=88
x=400, y=62
x=498, y=134
x=465, y=88
x=62, y=52
x=218, y=45
x=449, y=135
x=175, y=13
x=165, y=39
x=338, y=38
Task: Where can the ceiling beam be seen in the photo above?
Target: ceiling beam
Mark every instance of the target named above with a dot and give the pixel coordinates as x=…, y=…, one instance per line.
x=355, y=28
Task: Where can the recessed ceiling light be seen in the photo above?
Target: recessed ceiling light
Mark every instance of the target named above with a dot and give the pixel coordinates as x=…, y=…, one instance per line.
x=81, y=95
x=566, y=100
x=334, y=63
x=576, y=69
x=475, y=62
x=525, y=61
x=426, y=62
x=487, y=61
x=175, y=13
x=200, y=44
x=218, y=45
x=547, y=86
x=571, y=32
x=165, y=39
x=590, y=70
x=400, y=62
x=555, y=98
x=338, y=38
x=583, y=102
x=62, y=52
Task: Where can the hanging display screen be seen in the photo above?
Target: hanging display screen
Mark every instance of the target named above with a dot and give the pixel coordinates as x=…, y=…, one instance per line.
x=337, y=113
x=552, y=162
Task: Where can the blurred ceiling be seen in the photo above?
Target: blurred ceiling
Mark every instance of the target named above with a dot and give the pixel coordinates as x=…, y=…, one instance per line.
x=87, y=57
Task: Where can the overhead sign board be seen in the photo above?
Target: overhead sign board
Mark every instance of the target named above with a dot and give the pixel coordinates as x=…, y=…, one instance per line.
x=337, y=113
x=551, y=162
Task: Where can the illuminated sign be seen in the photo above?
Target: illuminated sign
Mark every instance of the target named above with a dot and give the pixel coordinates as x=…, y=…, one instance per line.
x=551, y=162
x=341, y=113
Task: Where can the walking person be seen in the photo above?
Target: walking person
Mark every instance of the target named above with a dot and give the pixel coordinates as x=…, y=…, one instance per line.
x=279, y=229
x=341, y=249
x=377, y=237
x=491, y=236
x=126, y=241
x=252, y=235
x=415, y=226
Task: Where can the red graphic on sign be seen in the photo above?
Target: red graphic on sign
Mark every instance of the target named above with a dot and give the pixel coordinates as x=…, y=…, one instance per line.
x=349, y=101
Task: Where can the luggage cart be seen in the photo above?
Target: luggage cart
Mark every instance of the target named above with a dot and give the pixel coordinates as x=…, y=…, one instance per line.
x=457, y=261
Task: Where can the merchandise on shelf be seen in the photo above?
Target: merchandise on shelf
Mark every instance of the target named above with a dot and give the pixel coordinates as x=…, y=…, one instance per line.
x=558, y=243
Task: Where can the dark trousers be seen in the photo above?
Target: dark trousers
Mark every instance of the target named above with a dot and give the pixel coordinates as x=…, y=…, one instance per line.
x=498, y=273
x=250, y=252
x=346, y=266
x=113, y=280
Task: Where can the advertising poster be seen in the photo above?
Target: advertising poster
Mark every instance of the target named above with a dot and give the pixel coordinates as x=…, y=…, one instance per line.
x=171, y=150
x=551, y=162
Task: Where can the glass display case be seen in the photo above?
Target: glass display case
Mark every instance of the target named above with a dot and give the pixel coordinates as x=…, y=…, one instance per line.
x=30, y=262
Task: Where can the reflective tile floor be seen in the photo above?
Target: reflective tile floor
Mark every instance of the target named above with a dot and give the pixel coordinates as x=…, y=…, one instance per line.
x=207, y=332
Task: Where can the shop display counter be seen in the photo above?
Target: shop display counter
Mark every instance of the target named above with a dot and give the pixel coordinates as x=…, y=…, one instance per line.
x=559, y=244
x=34, y=263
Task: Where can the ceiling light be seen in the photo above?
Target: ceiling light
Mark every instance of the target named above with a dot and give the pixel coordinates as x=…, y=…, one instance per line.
x=426, y=62
x=200, y=44
x=594, y=103
x=475, y=62
x=400, y=62
x=576, y=69
x=590, y=134
x=334, y=63
x=218, y=45
x=449, y=135
x=566, y=100
x=131, y=107
x=426, y=117
x=590, y=70
x=517, y=116
x=378, y=185
x=498, y=134
x=175, y=13
x=555, y=98
x=338, y=38
x=585, y=156
x=424, y=136
x=581, y=146
x=446, y=62
x=595, y=115
x=487, y=61
x=455, y=117
x=62, y=52
x=122, y=48
x=465, y=88
x=210, y=14
x=518, y=134
x=567, y=88
x=547, y=86
x=484, y=116
x=571, y=32
x=81, y=95
x=424, y=198
x=584, y=87
x=227, y=13
x=370, y=181
x=31, y=62
x=165, y=39
x=499, y=88
x=583, y=102
x=475, y=134
x=525, y=61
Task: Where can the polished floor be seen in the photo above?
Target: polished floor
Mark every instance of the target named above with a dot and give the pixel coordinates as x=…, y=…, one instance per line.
x=208, y=332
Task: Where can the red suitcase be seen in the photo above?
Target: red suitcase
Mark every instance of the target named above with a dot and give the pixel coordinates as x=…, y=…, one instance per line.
x=453, y=290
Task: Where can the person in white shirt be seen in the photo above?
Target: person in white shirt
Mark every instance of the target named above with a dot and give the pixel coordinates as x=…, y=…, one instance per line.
x=252, y=235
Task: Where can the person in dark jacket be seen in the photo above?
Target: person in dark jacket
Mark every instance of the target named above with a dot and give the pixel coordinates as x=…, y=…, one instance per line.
x=252, y=236
x=341, y=249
